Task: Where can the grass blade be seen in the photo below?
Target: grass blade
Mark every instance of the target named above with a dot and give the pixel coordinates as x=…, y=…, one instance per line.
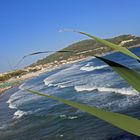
x=124, y=122
x=109, y=44
x=35, y=53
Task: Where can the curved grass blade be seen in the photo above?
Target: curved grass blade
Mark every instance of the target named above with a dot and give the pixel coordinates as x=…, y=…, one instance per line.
x=36, y=53
x=112, y=45
x=131, y=76
x=109, y=44
x=124, y=122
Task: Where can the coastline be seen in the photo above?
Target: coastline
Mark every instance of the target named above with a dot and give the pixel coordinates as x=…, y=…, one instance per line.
x=18, y=81
x=6, y=88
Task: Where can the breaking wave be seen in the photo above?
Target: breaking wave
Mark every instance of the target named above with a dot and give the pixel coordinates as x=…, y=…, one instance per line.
x=127, y=91
x=18, y=114
x=68, y=117
x=21, y=98
x=92, y=68
x=59, y=85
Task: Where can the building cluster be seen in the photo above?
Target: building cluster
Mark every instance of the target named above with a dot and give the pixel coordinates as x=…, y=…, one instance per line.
x=53, y=64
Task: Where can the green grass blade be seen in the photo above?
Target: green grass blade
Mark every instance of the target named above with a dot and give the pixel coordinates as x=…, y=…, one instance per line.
x=109, y=44
x=131, y=76
x=124, y=122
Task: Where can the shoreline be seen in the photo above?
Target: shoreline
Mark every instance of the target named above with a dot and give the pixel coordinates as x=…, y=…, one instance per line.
x=19, y=81
x=4, y=89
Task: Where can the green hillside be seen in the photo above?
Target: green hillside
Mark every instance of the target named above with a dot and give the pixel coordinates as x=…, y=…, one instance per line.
x=89, y=47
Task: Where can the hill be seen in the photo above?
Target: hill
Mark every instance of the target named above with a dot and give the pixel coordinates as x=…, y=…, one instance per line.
x=78, y=50
x=87, y=48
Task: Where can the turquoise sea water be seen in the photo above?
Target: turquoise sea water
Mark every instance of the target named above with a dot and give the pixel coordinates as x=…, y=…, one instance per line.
x=24, y=116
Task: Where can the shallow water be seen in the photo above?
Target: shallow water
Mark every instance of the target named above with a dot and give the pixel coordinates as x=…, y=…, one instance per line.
x=27, y=116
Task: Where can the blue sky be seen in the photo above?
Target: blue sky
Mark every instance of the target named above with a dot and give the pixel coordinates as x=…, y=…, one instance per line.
x=32, y=25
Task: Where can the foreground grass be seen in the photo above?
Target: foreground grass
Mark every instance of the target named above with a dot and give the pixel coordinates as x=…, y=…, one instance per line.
x=124, y=122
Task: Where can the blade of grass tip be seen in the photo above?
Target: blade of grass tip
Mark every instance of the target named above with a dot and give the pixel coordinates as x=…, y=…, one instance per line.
x=107, y=43
x=131, y=76
x=121, y=121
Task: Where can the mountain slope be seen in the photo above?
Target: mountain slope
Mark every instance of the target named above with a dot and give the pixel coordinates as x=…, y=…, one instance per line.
x=87, y=48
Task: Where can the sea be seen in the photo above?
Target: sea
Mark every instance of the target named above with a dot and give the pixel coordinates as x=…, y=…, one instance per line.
x=25, y=116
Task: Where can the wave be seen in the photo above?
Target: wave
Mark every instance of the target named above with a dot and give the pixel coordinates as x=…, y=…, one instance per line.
x=48, y=82
x=92, y=68
x=11, y=105
x=21, y=98
x=126, y=91
x=51, y=84
x=63, y=84
x=63, y=75
x=120, y=100
x=84, y=88
x=19, y=113
x=68, y=117
x=21, y=87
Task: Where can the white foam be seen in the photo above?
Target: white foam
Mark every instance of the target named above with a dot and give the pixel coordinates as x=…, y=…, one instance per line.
x=72, y=117
x=62, y=84
x=127, y=91
x=21, y=86
x=48, y=82
x=51, y=84
x=68, y=117
x=12, y=106
x=92, y=68
x=18, y=114
x=63, y=116
x=61, y=135
x=84, y=88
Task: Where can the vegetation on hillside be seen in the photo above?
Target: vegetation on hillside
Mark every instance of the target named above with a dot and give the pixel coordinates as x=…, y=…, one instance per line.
x=89, y=47
x=9, y=75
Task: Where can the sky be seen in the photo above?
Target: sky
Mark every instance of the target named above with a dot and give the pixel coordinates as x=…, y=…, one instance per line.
x=27, y=26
